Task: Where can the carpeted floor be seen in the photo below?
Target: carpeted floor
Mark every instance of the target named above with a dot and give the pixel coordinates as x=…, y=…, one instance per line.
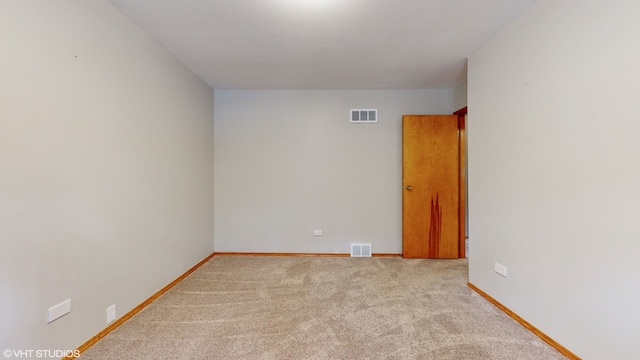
x=322, y=308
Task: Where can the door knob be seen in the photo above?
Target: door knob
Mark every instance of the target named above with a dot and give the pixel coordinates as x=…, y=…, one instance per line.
x=408, y=187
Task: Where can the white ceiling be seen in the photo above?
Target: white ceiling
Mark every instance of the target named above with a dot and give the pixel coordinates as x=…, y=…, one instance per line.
x=324, y=44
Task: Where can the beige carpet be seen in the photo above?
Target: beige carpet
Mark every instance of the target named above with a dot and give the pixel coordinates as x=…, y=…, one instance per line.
x=322, y=308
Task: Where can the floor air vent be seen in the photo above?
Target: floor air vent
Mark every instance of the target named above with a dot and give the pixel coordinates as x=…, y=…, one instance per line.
x=360, y=250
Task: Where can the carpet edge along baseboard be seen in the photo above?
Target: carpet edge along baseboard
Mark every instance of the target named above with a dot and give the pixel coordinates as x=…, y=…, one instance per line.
x=563, y=350
x=296, y=254
x=136, y=309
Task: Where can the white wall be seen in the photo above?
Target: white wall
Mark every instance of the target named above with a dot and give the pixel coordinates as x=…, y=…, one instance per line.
x=554, y=172
x=106, y=154
x=460, y=96
x=289, y=162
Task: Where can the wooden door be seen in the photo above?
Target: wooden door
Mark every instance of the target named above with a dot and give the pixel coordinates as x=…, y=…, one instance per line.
x=430, y=177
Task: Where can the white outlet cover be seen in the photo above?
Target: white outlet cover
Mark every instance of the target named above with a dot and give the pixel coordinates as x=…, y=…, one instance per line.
x=111, y=313
x=317, y=232
x=58, y=311
x=500, y=269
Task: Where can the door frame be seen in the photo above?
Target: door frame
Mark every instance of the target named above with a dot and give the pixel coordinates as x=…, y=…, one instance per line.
x=462, y=187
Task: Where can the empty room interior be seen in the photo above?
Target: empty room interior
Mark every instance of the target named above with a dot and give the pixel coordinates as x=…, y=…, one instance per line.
x=139, y=138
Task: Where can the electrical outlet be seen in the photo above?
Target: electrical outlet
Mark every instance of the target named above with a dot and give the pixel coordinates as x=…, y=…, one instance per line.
x=58, y=311
x=317, y=232
x=501, y=269
x=111, y=314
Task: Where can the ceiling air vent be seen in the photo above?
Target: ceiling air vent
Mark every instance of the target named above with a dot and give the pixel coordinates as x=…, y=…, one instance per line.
x=364, y=116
